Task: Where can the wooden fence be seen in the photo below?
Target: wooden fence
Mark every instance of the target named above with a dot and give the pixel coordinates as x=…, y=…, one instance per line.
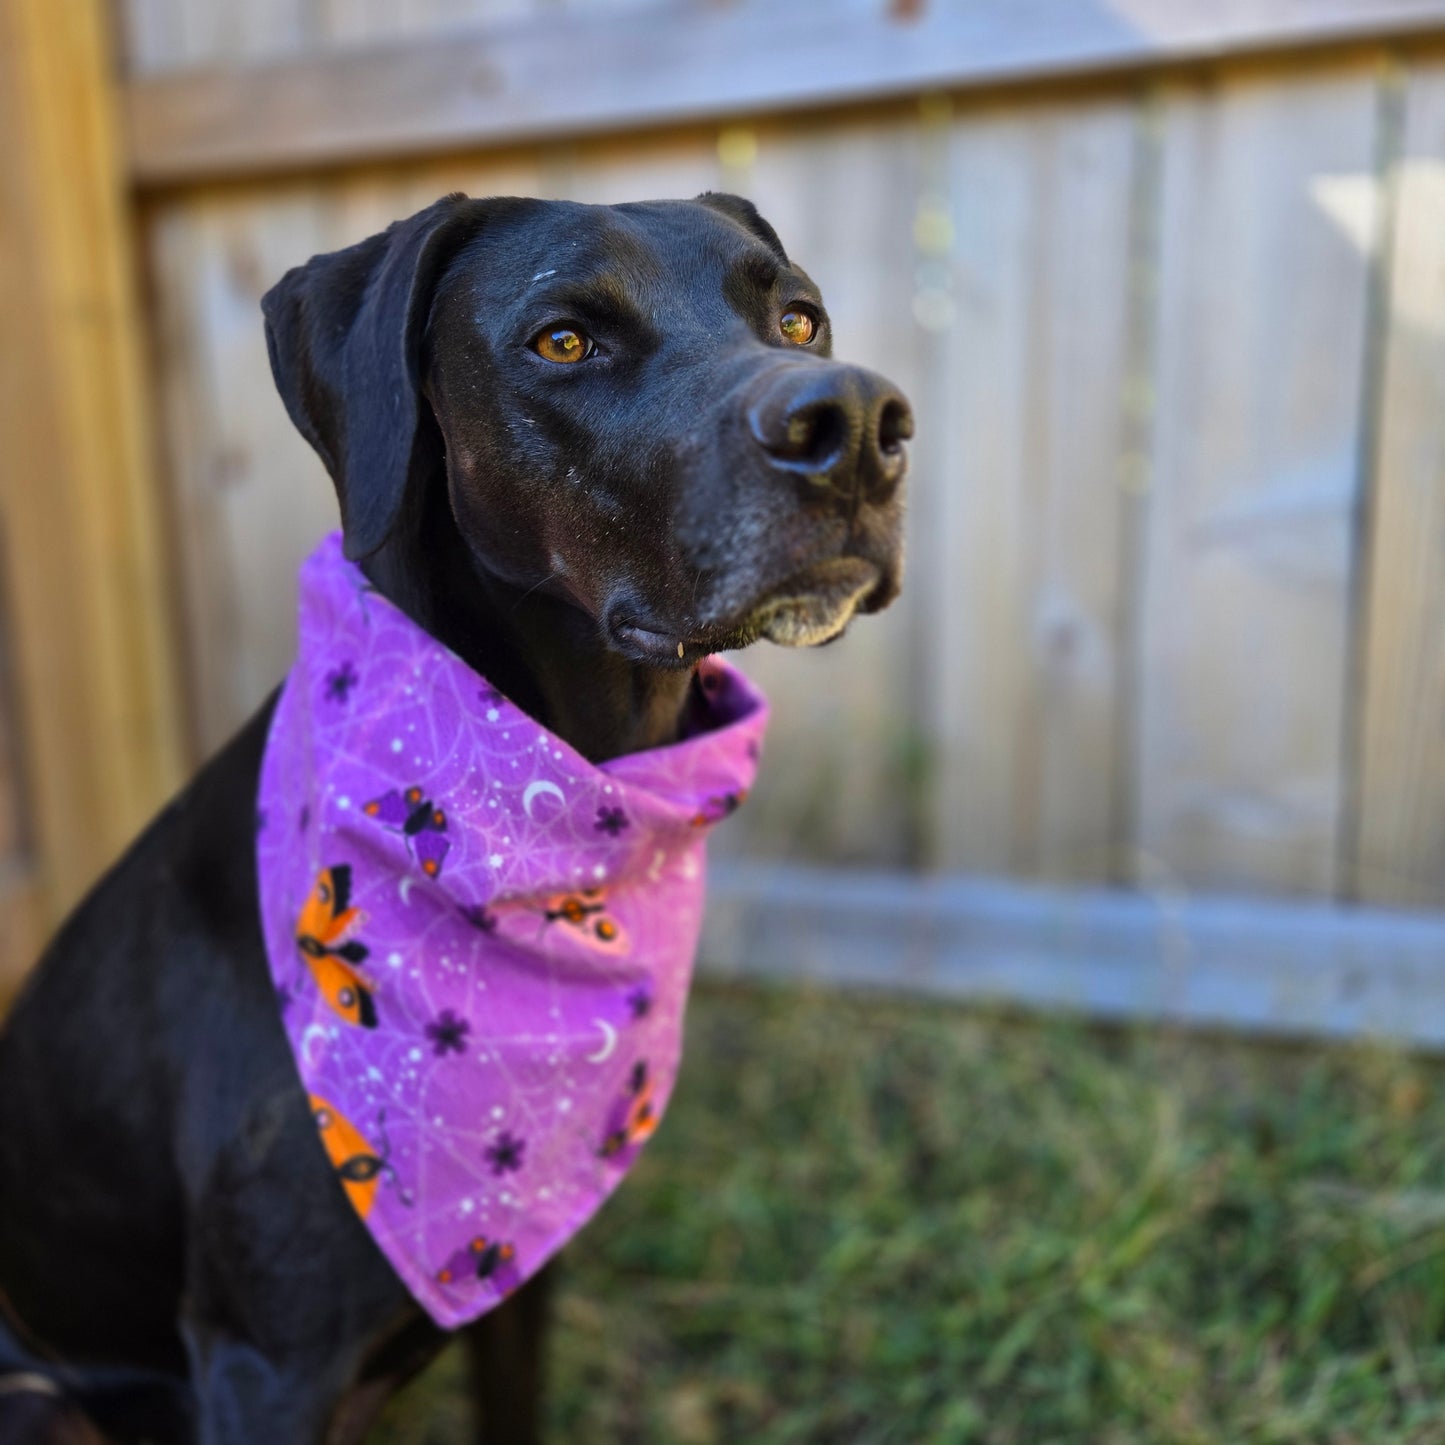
x=1165, y=280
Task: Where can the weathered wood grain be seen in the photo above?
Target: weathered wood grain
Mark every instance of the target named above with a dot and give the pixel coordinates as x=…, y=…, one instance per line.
x=86, y=567
x=1253, y=482
x=1024, y=616
x=613, y=69
x=251, y=496
x=1399, y=855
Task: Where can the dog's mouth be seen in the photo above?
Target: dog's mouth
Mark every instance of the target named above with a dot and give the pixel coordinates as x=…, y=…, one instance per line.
x=810, y=607
x=651, y=645
x=815, y=605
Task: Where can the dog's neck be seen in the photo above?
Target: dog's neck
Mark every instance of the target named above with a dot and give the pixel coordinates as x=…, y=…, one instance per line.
x=541, y=652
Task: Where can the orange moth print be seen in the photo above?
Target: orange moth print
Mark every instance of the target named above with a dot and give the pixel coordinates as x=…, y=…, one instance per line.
x=584, y=916
x=588, y=920
x=324, y=934
x=634, y=1117
x=357, y=1164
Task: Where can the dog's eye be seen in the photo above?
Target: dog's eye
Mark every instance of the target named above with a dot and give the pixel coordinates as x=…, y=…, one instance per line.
x=562, y=344
x=797, y=326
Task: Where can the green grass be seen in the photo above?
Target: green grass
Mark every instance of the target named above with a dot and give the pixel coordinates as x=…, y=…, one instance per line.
x=876, y=1222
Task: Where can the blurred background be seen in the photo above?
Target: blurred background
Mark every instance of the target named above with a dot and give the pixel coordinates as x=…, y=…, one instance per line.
x=1155, y=735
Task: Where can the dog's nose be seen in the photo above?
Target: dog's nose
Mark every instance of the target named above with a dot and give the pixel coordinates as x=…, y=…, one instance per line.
x=836, y=427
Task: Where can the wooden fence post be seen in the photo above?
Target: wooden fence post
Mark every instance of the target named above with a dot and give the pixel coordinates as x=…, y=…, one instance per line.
x=86, y=587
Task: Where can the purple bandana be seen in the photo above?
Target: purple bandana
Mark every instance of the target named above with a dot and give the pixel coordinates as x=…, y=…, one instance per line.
x=481, y=942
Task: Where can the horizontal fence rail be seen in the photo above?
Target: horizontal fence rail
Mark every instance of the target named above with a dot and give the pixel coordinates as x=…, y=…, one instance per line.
x=567, y=77
x=1286, y=969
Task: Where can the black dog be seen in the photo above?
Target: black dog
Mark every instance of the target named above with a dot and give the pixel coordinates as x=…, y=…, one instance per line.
x=583, y=446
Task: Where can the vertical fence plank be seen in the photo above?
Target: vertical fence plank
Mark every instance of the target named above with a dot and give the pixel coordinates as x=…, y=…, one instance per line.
x=85, y=564
x=1254, y=476
x=1026, y=631
x=1075, y=431
x=251, y=496
x=1400, y=851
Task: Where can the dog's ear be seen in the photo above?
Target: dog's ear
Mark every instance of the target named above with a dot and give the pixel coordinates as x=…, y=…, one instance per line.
x=345, y=334
x=747, y=215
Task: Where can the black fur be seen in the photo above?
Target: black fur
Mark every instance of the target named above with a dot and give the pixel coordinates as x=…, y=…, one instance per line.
x=174, y=1249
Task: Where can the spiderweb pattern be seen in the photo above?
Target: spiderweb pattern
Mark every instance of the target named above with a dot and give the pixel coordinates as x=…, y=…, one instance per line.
x=528, y=997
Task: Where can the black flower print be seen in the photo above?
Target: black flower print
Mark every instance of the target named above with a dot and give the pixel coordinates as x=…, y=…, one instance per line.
x=505, y=1153
x=640, y=1002
x=340, y=681
x=611, y=820
x=448, y=1033
x=304, y=818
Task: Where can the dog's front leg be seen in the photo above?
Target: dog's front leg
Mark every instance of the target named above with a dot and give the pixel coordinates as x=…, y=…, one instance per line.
x=507, y=1353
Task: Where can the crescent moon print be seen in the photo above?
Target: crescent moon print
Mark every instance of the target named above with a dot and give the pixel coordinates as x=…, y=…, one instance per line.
x=404, y=888
x=609, y=1042
x=309, y=1038
x=533, y=790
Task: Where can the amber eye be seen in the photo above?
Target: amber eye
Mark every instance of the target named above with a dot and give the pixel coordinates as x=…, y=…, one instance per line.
x=562, y=344
x=797, y=327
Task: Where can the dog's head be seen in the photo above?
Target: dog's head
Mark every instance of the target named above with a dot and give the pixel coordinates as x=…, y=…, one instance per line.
x=636, y=406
